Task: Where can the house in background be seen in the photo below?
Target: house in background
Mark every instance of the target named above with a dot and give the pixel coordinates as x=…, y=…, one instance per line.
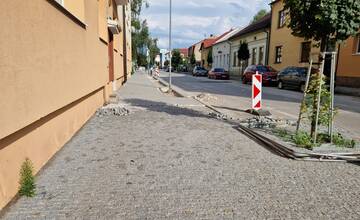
x=348, y=68
x=256, y=35
x=221, y=51
x=195, y=50
x=285, y=48
x=72, y=57
x=206, y=46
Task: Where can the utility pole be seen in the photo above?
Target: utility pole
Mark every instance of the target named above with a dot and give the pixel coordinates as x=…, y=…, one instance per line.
x=170, y=68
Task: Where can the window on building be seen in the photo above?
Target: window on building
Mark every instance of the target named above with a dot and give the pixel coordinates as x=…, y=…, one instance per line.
x=61, y=2
x=220, y=60
x=357, y=44
x=282, y=18
x=305, y=51
x=261, y=55
x=278, y=54
x=234, y=61
x=253, y=56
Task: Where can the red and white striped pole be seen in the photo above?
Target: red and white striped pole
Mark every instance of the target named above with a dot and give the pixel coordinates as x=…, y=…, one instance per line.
x=256, y=91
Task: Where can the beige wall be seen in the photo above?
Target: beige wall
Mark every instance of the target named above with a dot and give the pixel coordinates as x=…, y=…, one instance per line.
x=291, y=45
x=348, y=71
x=255, y=40
x=54, y=75
x=76, y=7
x=204, y=55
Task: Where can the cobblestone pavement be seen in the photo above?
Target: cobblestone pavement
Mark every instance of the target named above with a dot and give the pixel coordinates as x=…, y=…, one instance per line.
x=168, y=162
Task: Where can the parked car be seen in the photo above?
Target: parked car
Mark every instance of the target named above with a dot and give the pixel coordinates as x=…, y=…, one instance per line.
x=199, y=71
x=182, y=68
x=293, y=77
x=218, y=73
x=269, y=74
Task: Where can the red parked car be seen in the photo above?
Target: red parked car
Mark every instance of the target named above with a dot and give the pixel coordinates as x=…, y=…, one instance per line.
x=218, y=73
x=269, y=74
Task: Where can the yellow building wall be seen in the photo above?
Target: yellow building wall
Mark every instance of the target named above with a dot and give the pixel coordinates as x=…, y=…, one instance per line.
x=291, y=45
x=54, y=75
x=76, y=7
x=348, y=71
x=204, y=55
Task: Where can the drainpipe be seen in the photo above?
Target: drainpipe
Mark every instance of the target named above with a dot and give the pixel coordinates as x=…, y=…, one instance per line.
x=229, y=56
x=267, y=47
x=125, y=45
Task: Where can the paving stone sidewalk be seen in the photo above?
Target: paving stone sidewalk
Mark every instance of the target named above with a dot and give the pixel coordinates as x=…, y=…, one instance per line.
x=168, y=159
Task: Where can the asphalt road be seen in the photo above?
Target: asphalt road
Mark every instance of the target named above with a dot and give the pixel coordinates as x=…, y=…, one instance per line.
x=233, y=96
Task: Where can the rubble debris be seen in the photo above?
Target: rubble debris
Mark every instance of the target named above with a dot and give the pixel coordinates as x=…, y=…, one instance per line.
x=112, y=109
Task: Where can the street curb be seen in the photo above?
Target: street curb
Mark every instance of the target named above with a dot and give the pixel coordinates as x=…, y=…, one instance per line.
x=175, y=89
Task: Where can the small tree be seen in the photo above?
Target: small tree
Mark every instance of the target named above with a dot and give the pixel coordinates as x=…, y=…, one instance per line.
x=166, y=63
x=243, y=55
x=325, y=22
x=176, y=59
x=27, y=179
x=192, y=59
x=209, y=57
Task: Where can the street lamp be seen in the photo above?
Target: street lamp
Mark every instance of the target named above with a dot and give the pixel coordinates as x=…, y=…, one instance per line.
x=170, y=69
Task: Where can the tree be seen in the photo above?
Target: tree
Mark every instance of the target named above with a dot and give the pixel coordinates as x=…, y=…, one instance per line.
x=166, y=63
x=325, y=22
x=243, y=54
x=176, y=59
x=259, y=15
x=192, y=59
x=141, y=36
x=210, y=57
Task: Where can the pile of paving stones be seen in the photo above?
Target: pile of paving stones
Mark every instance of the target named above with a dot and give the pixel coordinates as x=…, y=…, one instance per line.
x=265, y=122
x=206, y=97
x=112, y=109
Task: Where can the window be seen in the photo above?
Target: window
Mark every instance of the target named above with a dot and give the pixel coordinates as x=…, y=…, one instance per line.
x=253, y=56
x=282, y=17
x=261, y=55
x=305, y=52
x=61, y=2
x=357, y=44
x=278, y=54
x=234, y=61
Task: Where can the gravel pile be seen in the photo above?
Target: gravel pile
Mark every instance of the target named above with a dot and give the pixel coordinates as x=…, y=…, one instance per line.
x=112, y=109
x=206, y=97
x=265, y=122
x=218, y=116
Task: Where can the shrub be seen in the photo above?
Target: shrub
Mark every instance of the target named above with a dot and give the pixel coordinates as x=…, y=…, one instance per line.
x=304, y=140
x=340, y=141
x=27, y=179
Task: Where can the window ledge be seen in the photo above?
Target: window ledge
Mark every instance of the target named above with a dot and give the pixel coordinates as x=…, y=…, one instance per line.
x=68, y=13
x=356, y=54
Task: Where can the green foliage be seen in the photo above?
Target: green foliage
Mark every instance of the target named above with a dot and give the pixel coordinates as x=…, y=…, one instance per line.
x=303, y=139
x=321, y=20
x=192, y=59
x=176, y=59
x=141, y=36
x=340, y=141
x=166, y=63
x=309, y=108
x=27, y=179
x=259, y=15
x=210, y=57
x=243, y=52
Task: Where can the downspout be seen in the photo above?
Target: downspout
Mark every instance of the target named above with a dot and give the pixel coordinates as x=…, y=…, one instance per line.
x=229, y=55
x=124, y=45
x=267, y=47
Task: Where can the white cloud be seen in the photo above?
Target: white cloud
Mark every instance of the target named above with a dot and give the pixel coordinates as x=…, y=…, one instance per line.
x=193, y=19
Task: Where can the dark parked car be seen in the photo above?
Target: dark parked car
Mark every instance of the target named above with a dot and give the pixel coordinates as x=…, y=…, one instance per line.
x=293, y=77
x=269, y=74
x=218, y=73
x=199, y=71
x=168, y=69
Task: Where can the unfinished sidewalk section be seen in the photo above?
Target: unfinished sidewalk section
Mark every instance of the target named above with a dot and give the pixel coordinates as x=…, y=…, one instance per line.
x=167, y=159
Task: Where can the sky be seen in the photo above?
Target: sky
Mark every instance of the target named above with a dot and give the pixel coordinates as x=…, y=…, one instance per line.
x=195, y=19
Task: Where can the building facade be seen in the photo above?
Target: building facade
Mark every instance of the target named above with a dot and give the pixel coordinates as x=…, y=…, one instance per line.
x=221, y=51
x=257, y=36
x=285, y=48
x=67, y=58
x=348, y=68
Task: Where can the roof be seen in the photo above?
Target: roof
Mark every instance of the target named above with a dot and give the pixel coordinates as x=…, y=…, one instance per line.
x=263, y=23
x=210, y=41
x=228, y=35
x=184, y=51
x=273, y=2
